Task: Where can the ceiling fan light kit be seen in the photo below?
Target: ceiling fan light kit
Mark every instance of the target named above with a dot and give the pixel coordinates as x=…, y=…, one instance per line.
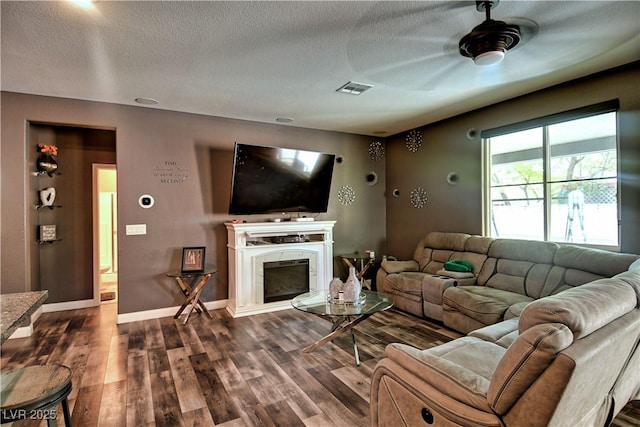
x=489, y=58
x=488, y=42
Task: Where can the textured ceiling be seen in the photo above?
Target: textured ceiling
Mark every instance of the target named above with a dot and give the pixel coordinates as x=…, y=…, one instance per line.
x=262, y=60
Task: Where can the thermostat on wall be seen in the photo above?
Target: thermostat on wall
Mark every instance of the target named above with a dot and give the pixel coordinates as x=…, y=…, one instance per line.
x=146, y=201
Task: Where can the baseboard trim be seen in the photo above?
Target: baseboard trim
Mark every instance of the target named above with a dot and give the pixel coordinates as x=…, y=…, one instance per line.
x=26, y=331
x=163, y=312
x=260, y=309
x=70, y=305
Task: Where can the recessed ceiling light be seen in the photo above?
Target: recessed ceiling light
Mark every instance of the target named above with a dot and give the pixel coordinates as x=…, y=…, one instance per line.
x=147, y=101
x=85, y=4
x=284, y=119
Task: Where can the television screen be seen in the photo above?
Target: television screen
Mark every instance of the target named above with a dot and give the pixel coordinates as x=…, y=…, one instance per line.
x=276, y=180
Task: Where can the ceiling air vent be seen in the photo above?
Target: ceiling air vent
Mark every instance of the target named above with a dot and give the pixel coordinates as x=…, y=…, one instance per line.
x=353, y=88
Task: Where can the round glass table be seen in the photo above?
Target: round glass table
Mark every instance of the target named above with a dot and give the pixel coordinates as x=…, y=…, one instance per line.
x=343, y=316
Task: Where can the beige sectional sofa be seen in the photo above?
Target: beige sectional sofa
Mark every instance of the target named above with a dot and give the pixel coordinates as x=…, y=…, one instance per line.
x=569, y=359
x=507, y=275
x=553, y=335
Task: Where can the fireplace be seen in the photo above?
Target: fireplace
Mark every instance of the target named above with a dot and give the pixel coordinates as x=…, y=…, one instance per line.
x=284, y=280
x=270, y=263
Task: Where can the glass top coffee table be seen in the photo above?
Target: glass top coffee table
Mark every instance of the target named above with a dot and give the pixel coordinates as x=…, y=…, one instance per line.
x=344, y=316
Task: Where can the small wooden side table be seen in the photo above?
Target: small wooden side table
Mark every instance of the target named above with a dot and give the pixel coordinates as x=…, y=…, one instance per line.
x=185, y=280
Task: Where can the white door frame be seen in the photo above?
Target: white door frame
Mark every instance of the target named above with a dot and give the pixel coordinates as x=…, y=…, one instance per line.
x=95, y=167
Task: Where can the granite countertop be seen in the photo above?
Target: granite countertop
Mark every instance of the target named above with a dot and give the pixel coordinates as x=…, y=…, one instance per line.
x=17, y=308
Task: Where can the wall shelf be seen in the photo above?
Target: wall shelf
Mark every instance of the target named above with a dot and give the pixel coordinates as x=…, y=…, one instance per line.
x=49, y=174
x=43, y=242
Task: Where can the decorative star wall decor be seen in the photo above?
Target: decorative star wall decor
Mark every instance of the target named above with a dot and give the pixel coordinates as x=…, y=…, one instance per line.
x=376, y=150
x=414, y=140
x=346, y=195
x=418, y=197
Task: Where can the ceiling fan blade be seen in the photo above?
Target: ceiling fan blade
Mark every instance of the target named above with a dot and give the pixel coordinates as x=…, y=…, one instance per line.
x=411, y=34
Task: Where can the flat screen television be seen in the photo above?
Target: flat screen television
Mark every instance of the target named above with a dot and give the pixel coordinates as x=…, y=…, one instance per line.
x=277, y=180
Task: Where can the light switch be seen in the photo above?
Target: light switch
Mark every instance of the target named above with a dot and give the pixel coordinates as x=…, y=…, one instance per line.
x=136, y=229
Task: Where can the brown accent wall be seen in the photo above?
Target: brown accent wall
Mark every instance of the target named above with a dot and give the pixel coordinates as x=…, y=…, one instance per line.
x=65, y=267
x=446, y=148
x=188, y=213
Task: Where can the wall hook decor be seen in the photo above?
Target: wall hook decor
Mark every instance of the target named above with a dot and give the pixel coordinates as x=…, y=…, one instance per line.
x=372, y=178
x=452, y=178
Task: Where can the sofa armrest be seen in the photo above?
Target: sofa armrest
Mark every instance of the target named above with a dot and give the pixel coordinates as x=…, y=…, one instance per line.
x=524, y=361
x=399, y=266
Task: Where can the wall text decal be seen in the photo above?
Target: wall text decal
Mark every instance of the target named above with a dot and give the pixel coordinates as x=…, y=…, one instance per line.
x=171, y=173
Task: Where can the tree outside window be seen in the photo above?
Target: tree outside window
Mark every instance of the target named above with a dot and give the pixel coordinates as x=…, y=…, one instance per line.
x=556, y=182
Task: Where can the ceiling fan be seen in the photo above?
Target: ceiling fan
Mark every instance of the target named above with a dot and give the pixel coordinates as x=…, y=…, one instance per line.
x=432, y=46
x=488, y=42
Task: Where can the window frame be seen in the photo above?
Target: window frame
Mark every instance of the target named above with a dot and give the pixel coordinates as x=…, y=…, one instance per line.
x=612, y=106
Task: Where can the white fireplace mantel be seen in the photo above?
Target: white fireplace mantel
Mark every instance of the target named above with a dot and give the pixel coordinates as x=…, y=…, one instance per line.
x=251, y=244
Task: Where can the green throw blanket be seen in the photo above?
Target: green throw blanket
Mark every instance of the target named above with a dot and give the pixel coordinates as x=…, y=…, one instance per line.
x=458, y=265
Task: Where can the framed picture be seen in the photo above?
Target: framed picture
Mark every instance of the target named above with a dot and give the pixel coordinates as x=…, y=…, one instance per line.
x=193, y=259
x=47, y=233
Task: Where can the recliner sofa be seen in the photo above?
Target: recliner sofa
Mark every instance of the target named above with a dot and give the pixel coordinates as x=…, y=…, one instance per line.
x=507, y=274
x=569, y=359
x=553, y=335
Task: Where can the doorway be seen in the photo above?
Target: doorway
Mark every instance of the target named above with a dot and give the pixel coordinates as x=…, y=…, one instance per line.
x=105, y=184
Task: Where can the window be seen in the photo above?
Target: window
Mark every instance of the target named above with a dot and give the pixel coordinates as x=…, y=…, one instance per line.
x=555, y=178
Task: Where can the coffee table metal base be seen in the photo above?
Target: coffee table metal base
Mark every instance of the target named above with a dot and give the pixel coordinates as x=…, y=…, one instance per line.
x=338, y=328
x=344, y=316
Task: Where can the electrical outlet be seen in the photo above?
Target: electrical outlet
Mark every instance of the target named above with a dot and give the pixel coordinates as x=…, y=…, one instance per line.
x=136, y=229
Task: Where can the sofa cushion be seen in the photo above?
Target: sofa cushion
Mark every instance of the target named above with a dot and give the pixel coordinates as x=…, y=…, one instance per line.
x=476, y=260
x=599, y=262
x=502, y=333
x=482, y=303
x=438, y=259
x=409, y=284
x=632, y=278
x=478, y=244
x=583, y=309
x=436, y=248
x=525, y=359
x=460, y=369
x=518, y=266
x=523, y=250
x=515, y=310
x=399, y=266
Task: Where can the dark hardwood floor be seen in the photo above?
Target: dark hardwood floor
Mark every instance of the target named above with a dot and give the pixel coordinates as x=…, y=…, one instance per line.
x=247, y=371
